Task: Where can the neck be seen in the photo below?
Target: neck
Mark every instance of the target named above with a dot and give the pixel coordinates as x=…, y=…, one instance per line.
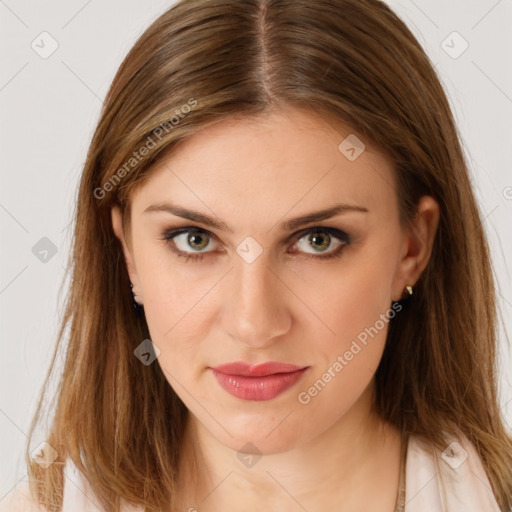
x=356, y=460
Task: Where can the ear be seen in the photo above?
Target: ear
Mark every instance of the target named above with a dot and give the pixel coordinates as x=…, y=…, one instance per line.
x=117, y=225
x=417, y=246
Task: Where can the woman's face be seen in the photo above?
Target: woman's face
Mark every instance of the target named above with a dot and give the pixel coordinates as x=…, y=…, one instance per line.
x=265, y=283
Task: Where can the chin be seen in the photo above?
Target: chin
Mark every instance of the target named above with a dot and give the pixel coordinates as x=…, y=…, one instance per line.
x=259, y=433
x=256, y=443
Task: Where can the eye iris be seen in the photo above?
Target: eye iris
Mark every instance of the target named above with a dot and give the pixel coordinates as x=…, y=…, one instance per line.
x=325, y=237
x=194, y=236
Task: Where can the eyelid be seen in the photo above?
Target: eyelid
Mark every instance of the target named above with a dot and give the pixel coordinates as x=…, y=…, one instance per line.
x=209, y=234
x=171, y=233
x=338, y=233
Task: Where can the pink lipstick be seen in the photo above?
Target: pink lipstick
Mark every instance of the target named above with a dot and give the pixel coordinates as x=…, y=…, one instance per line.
x=257, y=382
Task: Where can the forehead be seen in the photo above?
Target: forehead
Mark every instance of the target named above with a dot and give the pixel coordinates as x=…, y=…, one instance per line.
x=290, y=159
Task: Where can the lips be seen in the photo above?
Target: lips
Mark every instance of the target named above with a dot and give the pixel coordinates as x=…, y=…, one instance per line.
x=257, y=382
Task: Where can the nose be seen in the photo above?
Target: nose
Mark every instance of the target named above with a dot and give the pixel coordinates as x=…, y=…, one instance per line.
x=256, y=311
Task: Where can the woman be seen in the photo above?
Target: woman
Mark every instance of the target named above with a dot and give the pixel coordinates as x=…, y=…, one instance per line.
x=259, y=370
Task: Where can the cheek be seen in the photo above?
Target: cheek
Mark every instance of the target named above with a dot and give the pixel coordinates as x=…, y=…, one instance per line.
x=177, y=319
x=349, y=300
x=171, y=306
x=349, y=358
x=354, y=310
x=172, y=290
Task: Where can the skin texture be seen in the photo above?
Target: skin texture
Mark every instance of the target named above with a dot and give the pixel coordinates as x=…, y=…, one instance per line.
x=253, y=174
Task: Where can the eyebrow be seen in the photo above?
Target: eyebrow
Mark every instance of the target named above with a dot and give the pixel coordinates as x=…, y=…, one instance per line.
x=290, y=224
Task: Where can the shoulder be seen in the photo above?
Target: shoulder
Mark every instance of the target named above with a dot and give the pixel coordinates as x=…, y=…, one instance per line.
x=20, y=499
x=450, y=480
x=77, y=495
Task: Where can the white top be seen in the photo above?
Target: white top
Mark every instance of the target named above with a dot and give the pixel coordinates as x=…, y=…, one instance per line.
x=449, y=481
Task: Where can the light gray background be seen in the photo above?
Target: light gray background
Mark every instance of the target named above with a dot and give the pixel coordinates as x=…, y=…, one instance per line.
x=49, y=108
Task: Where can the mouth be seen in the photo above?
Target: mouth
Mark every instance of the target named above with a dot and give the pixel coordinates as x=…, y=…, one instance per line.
x=257, y=382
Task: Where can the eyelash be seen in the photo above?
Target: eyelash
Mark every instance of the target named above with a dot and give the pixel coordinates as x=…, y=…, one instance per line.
x=167, y=236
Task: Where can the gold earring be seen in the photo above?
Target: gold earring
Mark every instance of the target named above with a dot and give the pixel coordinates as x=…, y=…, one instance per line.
x=405, y=299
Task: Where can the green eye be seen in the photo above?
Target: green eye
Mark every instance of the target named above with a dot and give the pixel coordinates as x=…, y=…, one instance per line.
x=193, y=237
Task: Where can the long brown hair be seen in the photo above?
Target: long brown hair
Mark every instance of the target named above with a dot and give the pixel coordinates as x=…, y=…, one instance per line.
x=201, y=62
